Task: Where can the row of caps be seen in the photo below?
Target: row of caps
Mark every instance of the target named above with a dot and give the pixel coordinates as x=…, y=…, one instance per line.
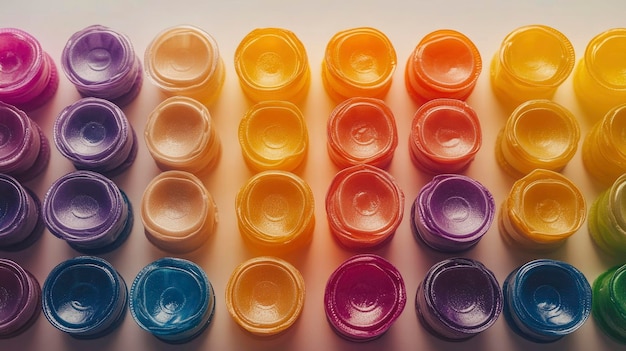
x=172, y=298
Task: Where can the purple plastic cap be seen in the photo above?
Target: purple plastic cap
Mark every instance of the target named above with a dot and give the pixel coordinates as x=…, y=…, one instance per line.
x=452, y=212
x=87, y=210
x=20, y=215
x=28, y=76
x=24, y=149
x=102, y=63
x=364, y=297
x=20, y=295
x=458, y=299
x=94, y=134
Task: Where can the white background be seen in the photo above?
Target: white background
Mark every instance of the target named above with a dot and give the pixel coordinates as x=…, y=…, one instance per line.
x=405, y=23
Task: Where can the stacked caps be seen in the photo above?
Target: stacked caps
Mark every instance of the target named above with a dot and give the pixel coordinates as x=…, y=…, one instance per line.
x=274, y=207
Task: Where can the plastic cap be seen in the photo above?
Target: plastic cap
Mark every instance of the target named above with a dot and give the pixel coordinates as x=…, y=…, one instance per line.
x=89, y=211
x=532, y=62
x=609, y=302
x=178, y=212
x=24, y=149
x=362, y=130
x=102, y=63
x=452, y=212
x=599, y=78
x=272, y=64
x=538, y=134
x=542, y=210
x=276, y=212
x=364, y=296
x=21, y=223
x=546, y=300
x=85, y=297
x=94, y=134
x=445, y=136
x=20, y=295
x=604, y=148
x=607, y=218
x=358, y=62
x=273, y=135
x=172, y=299
x=180, y=135
x=185, y=60
x=265, y=295
x=458, y=299
x=364, y=206
x=444, y=64
x=28, y=75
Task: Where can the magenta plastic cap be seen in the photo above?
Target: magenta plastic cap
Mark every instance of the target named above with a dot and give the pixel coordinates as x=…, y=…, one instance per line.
x=452, y=212
x=28, y=76
x=101, y=62
x=364, y=296
x=94, y=134
x=24, y=149
x=20, y=294
x=458, y=299
x=21, y=223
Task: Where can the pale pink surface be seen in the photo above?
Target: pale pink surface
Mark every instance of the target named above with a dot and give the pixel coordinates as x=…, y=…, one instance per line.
x=485, y=22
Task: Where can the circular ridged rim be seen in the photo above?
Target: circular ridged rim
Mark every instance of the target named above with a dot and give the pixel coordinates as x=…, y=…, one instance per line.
x=297, y=283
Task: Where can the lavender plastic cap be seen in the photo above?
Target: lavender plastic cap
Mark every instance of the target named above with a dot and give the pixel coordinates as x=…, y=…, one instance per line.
x=21, y=223
x=28, y=75
x=20, y=295
x=89, y=211
x=364, y=296
x=458, y=299
x=24, y=149
x=102, y=63
x=94, y=134
x=452, y=212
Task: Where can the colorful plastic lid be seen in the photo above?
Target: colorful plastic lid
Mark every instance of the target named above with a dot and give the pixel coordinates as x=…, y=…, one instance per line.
x=28, y=75
x=178, y=212
x=101, y=62
x=275, y=212
x=24, y=151
x=94, y=134
x=607, y=218
x=546, y=300
x=173, y=299
x=273, y=135
x=363, y=297
x=358, y=62
x=362, y=130
x=265, y=295
x=599, y=77
x=609, y=303
x=532, y=62
x=85, y=297
x=458, y=299
x=452, y=212
x=445, y=136
x=21, y=223
x=543, y=209
x=364, y=206
x=89, y=211
x=20, y=296
x=604, y=148
x=272, y=64
x=180, y=135
x=444, y=64
x=538, y=134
